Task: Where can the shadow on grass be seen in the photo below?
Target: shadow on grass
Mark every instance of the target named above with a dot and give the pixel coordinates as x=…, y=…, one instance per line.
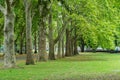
x=100, y=77
x=84, y=58
x=105, y=76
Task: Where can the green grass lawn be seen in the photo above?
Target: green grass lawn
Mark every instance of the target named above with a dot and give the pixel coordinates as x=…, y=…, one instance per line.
x=87, y=66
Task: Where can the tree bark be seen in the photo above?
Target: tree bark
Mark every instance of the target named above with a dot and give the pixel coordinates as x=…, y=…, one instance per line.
x=42, y=54
x=70, y=43
x=29, y=52
x=21, y=45
x=67, y=43
x=9, y=51
x=35, y=42
x=63, y=54
x=72, y=46
x=59, y=48
x=75, y=48
x=21, y=41
x=82, y=45
x=51, y=40
x=75, y=42
x=43, y=12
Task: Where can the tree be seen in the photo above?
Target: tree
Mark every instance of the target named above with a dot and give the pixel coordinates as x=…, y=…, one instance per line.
x=56, y=32
x=43, y=15
x=9, y=17
x=51, y=38
x=19, y=26
x=29, y=59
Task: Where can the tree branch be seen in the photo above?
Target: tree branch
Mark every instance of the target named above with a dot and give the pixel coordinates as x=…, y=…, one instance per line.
x=61, y=32
x=14, y=2
x=2, y=9
x=65, y=5
x=25, y=3
x=8, y=5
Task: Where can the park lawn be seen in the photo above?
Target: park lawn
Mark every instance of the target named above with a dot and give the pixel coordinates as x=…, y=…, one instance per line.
x=86, y=66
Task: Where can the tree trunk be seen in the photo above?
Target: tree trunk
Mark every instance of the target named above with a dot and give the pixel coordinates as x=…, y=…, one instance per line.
x=42, y=54
x=15, y=45
x=82, y=45
x=51, y=40
x=35, y=42
x=29, y=52
x=25, y=46
x=21, y=43
x=59, y=54
x=43, y=12
x=51, y=50
x=67, y=43
x=75, y=43
x=72, y=46
x=63, y=54
x=75, y=48
x=22, y=36
x=59, y=48
x=9, y=51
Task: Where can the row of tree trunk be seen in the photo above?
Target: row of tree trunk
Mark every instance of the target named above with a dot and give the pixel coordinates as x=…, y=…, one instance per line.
x=45, y=14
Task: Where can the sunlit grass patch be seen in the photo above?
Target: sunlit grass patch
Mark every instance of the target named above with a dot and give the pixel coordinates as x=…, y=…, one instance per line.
x=87, y=66
x=84, y=76
x=93, y=57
